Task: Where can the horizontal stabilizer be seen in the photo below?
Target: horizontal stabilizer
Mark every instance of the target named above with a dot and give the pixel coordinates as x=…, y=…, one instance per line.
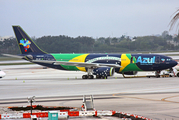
x=15, y=56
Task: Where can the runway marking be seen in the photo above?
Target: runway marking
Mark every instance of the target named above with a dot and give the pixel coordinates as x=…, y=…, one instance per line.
x=164, y=99
x=136, y=98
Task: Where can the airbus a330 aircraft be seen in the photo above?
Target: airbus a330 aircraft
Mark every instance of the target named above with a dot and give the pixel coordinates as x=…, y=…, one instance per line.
x=101, y=65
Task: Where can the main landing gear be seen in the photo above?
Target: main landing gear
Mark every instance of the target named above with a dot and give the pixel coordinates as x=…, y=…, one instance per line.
x=90, y=75
x=87, y=77
x=101, y=77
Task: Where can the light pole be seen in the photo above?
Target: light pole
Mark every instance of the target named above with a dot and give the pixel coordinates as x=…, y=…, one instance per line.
x=31, y=100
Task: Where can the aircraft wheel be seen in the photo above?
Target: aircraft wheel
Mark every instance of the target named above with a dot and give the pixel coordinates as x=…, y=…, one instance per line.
x=84, y=77
x=90, y=77
x=157, y=76
x=104, y=77
x=177, y=74
x=98, y=77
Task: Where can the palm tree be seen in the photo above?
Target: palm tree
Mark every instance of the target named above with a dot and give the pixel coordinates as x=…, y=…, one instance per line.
x=174, y=20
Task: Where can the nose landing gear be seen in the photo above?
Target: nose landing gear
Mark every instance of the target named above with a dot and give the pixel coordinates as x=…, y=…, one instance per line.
x=157, y=73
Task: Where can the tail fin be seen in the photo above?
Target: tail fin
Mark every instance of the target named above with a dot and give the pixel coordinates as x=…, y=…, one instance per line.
x=25, y=43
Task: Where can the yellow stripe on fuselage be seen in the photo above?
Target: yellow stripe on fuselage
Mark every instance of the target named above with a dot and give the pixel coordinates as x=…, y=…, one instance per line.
x=80, y=58
x=124, y=61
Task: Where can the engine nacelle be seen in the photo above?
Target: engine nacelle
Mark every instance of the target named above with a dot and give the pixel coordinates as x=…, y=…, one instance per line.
x=104, y=71
x=130, y=73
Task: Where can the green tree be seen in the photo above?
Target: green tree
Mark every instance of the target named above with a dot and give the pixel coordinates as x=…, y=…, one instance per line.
x=114, y=40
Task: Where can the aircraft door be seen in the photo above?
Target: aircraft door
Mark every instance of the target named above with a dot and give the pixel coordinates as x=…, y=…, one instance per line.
x=157, y=60
x=45, y=57
x=131, y=60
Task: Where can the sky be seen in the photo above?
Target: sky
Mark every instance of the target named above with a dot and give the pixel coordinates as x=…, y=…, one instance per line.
x=92, y=18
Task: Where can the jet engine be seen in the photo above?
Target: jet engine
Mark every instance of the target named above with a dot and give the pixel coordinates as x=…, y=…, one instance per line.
x=104, y=71
x=130, y=73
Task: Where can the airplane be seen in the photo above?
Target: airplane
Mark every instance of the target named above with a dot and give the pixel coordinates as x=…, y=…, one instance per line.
x=100, y=65
x=2, y=74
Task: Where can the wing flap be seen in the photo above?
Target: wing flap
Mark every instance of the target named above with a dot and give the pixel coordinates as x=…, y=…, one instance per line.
x=79, y=64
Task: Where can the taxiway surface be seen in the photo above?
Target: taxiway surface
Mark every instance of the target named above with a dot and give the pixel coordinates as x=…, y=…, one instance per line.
x=156, y=98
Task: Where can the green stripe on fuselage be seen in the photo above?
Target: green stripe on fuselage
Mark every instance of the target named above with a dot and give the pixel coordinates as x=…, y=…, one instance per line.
x=131, y=67
x=66, y=57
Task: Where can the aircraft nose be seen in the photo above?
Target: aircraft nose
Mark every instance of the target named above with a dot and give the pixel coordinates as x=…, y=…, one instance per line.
x=174, y=63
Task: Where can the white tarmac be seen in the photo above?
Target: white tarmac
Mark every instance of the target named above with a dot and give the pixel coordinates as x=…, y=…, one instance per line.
x=156, y=98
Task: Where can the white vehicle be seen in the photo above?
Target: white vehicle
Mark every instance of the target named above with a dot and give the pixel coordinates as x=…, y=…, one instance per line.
x=2, y=74
x=171, y=73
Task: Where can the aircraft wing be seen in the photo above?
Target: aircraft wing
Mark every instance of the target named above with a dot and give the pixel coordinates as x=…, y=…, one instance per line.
x=79, y=64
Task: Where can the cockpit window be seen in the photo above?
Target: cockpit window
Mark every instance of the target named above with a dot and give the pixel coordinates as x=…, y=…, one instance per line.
x=166, y=59
x=169, y=59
